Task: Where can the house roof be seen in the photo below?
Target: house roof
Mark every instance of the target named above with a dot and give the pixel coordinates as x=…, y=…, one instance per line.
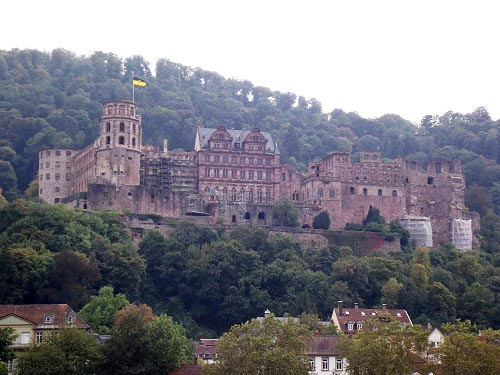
x=238, y=136
x=37, y=314
x=322, y=345
x=359, y=315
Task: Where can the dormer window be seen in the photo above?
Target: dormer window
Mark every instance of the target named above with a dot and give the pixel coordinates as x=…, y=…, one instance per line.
x=363, y=313
x=48, y=319
x=350, y=326
x=70, y=319
x=398, y=315
x=347, y=312
x=359, y=326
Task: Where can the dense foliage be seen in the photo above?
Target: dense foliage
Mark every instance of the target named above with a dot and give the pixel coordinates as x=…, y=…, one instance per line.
x=209, y=282
x=55, y=99
x=270, y=346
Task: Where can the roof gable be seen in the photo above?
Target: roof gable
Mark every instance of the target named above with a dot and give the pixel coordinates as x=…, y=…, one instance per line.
x=38, y=313
x=237, y=136
x=13, y=319
x=359, y=315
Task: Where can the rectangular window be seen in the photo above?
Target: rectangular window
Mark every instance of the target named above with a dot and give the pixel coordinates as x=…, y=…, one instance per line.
x=224, y=159
x=207, y=172
x=121, y=140
x=251, y=161
x=268, y=161
x=338, y=364
x=250, y=175
x=68, y=176
x=324, y=364
x=259, y=161
x=58, y=176
x=242, y=174
x=47, y=153
x=58, y=164
x=224, y=173
x=350, y=326
x=68, y=153
x=242, y=161
x=233, y=159
x=25, y=338
x=311, y=363
x=58, y=153
x=216, y=158
x=207, y=158
x=216, y=173
x=259, y=175
x=39, y=337
x=47, y=164
x=68, y=165
x=57, y=189
x=47, y=176
x=48, y=319
x=268, y=176
x=233, y=173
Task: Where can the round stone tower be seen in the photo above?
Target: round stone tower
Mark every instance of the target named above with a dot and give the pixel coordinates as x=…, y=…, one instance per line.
x=118, y=155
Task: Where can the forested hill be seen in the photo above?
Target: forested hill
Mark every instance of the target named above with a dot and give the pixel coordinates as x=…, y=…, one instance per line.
x=55, y=100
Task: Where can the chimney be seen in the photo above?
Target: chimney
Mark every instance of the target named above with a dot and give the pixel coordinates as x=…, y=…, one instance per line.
x=340, y=307
x=267, y=313
x=384, y=306
x=356, y=305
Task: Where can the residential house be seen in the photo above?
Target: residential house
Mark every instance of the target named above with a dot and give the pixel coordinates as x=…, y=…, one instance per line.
x=205, y=350
x=351, y=320
x=324, y=357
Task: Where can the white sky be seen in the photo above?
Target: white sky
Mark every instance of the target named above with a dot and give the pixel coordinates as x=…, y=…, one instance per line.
x=406, y=57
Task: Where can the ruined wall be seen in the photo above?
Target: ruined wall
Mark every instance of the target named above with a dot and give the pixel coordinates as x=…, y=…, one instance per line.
x=55, y=175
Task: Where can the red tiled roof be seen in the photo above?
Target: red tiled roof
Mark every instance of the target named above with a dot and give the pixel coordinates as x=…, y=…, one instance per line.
x=188, y=370
x=359, y=315
x=37, y=314
x=209, y=342
x=322, y=345
x=205, y=351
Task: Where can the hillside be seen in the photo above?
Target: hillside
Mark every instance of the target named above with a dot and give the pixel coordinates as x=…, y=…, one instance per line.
x=54, y=100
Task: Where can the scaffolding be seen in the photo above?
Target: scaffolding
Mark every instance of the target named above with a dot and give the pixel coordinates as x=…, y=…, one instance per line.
x=461, y=234
x=420, y=229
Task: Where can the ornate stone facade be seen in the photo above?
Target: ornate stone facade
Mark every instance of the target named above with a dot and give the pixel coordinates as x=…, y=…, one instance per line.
x=236, y=174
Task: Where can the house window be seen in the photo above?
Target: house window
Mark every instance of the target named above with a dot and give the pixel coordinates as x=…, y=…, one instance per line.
x=216, y=158
x=58, y=153
x=121, y=140
x=250, y=175
x=57, y=189
x=438, y=167
x=242, y=174
x=283, y=177
x=259, y=161
x=233, y=173
x=207, y=158
x=207, y=172
x=338, y=364
x=268, y=195
x=47, y=164
x=233, y=159
x=350, y=326
x=359, y=326
x=259, y=175
x=430, y=180
x=122, y=127
x=259, y=196
x=251, y=161
x=48, y=319
x=379, y=192
x=324, y=364
x=224, y=173
x=58, y=176
x=351, y=190
x=311, y=363
x=224, y=159
x=320, y=193
x=133, y=141
x=233, y=194
x=25, y=338
x=268, y=176
x=365, y=191
x=47, y=176
x=69, y=319
x=48, y=153
x=217, y=173
x=250, y=195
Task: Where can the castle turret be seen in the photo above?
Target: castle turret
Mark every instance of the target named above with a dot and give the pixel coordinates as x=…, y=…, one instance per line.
x=120, y=142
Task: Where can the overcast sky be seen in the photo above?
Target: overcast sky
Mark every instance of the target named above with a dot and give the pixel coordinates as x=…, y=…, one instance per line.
x=410, y=58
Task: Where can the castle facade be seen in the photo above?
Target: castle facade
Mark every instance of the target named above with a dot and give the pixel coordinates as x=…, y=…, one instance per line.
x=237, y=174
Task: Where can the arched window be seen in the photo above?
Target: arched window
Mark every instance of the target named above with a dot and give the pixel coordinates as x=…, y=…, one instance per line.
x=122, y=127
x=247, y=216
x=351, y=190
x=110, y=109
x=224, y=194
x=233, y=194
x=259, y=196
x=133, y=141
x=122, y=109
x=379, y=192
x=438, y=167
x=242, y=195
x=207, y=189
x=250, y=195
x=365, y=191
x=320, y=192
x=331, y=193
x=394, y=193
x=131, y=111
x=133, y=127
x=268, y=195
x=108, y=127
x=262, y=216
x=108, y=140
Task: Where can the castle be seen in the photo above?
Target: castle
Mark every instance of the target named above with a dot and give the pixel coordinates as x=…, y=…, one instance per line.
x=237, y=174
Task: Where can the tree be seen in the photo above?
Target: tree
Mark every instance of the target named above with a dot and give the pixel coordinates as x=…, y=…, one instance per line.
x=71, y=351
x=142, y=343
x=464, y=353
x=7, y=336
x=390, y=292
x=101, y=309
x=262, y=347
x=168, y=345
x=322, y=220
x=285, y=213
x=382, y=338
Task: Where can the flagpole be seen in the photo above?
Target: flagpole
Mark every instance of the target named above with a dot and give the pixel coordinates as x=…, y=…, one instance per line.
x=133, y=91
